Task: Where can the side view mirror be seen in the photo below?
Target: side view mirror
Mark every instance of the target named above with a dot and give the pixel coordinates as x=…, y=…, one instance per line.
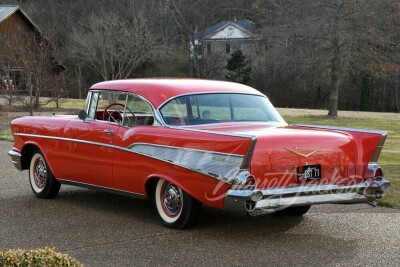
x=82, y=115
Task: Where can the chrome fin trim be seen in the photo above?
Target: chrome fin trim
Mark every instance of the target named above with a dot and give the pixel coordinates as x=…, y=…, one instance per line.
x=221, y=166
x=378, y=148
x=340, y=128
x=249, y=155
x=217, y=174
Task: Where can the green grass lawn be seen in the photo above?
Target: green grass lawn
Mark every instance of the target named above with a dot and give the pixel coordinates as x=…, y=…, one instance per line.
x=6, y=135
x=69, y=103
x=390, y=156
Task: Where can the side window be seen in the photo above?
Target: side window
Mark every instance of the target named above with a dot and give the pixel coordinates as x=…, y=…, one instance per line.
x=175, y=112
x=107, y=106
x=93, y=105
x=176, y=108
x=247, y=108
x=138, y=112
x=214, y=106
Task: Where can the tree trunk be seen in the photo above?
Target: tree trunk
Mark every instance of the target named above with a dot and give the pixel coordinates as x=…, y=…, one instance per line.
x=78, y=72
x=334, y=92
x=30, y=96
x=335, y=65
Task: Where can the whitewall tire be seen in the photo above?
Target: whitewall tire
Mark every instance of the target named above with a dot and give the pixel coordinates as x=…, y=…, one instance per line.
x=42, y=181
x=176, y=208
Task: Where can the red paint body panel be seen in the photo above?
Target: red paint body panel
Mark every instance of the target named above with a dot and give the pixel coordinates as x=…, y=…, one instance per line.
x=100, y=152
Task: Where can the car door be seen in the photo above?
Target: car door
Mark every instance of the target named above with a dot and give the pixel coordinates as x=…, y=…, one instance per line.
x=129, y=168
x=89, y=144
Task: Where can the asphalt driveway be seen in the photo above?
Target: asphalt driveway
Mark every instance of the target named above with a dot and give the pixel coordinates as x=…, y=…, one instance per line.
x=101, y=229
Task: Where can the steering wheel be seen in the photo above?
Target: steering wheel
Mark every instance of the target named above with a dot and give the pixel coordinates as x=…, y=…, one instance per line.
x=116, y=115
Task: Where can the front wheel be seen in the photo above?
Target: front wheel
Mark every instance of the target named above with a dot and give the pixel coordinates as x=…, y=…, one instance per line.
x=176, y=208
x=42, y=181
x=294, y=211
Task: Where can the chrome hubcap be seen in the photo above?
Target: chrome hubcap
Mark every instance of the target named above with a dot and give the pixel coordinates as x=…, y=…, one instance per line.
x=40, y=172
x=172, y=199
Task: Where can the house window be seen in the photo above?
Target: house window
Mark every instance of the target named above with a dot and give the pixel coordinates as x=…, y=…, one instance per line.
x=228, y=48
x=208, y=48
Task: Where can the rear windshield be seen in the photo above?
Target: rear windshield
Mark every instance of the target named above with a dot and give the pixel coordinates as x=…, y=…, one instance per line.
x=219, y=108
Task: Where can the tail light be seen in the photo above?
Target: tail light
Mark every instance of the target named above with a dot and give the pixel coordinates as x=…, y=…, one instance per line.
x=250, y=183
x=378, y=172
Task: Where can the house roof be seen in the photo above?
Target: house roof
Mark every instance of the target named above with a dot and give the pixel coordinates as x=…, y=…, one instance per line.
x=244, y=23
x=7, y=10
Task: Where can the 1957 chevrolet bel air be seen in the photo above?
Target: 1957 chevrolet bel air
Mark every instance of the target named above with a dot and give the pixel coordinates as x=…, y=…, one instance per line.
x=188, y=142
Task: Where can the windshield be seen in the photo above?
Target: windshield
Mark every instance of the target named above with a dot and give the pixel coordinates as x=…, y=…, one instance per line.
x=218, y=108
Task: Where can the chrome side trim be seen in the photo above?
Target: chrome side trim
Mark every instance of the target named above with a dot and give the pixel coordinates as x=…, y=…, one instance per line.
x=185, y=148
x=211, y=175
x=340, y=128
x=102, y=188
x=65, y=139
x=15, y=159
x=365, y=192
x=220, y=166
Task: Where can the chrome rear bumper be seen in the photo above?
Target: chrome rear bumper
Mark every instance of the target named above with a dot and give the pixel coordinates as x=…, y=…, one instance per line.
x=15, y=159
x=248, y=200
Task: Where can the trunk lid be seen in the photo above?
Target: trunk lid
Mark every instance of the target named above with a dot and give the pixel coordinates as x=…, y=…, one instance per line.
x=280, y=149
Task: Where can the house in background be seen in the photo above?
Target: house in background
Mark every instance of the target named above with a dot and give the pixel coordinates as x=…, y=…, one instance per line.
x=26, y=55
x=214, y=46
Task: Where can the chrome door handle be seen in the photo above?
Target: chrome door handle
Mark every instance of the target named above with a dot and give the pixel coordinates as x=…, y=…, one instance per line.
x=109, y=132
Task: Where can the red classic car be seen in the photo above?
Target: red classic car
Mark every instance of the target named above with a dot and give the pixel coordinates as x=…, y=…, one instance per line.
x=188, y=142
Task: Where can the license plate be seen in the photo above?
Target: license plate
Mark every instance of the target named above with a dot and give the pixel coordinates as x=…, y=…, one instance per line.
x=308, y=172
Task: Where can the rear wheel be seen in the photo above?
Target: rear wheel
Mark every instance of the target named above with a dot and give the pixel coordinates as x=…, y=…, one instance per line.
x=294, y=211
x=42, y=181
x=176, y=208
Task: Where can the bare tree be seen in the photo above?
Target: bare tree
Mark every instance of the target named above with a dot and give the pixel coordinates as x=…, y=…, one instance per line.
x=332, y=39
x=31, y=72
x=113, y=46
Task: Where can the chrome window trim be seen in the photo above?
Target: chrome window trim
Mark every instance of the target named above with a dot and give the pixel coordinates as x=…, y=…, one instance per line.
x=205, y=93
x=156, y=114
x=88, y=100
x=102, y=188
